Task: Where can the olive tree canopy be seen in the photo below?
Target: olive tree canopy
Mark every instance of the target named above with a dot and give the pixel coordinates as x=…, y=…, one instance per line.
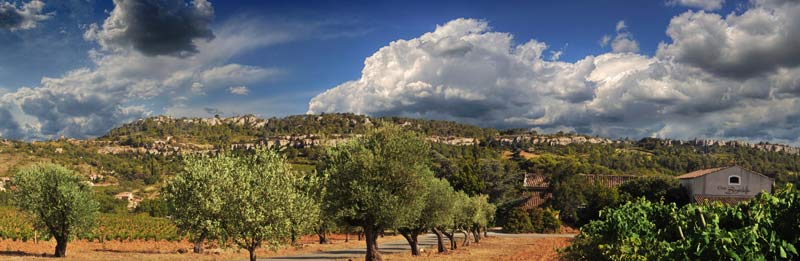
x=59, y=201
x=378, y=181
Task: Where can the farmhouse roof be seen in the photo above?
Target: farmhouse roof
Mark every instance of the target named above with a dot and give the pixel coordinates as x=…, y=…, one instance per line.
x=703, y=172
x=608, y=180
x=538, y=181
x=536, y=199
x=700, y=173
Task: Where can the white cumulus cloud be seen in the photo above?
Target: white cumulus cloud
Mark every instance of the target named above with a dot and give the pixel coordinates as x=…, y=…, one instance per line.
x=464, y=71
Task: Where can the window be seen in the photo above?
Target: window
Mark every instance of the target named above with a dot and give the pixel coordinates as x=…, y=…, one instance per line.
x=733, y=180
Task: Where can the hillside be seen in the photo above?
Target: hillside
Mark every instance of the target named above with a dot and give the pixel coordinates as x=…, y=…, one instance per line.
x=140, y=154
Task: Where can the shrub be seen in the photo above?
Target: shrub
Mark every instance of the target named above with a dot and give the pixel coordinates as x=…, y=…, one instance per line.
x=550, y=221
x=518, y=221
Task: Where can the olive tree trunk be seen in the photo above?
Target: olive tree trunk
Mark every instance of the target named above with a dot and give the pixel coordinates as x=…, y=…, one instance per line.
x=476, y=233
x=439, y=240
x=322, y=232
x=198, y=245
x=411, y=236
x=252, y=251
x=452, y=237
x=371, y=234
x=61, y=247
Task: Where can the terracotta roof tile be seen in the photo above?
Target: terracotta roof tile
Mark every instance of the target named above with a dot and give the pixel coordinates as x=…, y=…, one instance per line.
x=608, y=181
x=699, y=173
x=536, y=199
x=536, y=181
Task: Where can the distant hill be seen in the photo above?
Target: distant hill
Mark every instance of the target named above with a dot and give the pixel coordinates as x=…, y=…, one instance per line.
x=143, y=153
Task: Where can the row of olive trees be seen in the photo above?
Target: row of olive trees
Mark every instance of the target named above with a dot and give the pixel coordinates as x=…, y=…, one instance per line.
x=247, y=199
x=380, y=181
x=384, y=180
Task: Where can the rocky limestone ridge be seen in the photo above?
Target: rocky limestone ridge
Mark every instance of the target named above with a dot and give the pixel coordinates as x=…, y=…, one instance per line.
x=536, y=139
x=764, y=146
x=509, y=140
x=241, y=120
x=171, y=147
x=310, y=140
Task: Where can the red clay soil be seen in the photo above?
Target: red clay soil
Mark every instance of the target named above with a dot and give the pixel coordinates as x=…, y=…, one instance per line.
x=162, y=250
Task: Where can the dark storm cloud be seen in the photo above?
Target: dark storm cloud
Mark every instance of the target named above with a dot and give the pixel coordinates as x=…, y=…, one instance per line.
x=9, y=17
x=156, y=27
x=9, y=128
x=21, y=18
x=757, y=41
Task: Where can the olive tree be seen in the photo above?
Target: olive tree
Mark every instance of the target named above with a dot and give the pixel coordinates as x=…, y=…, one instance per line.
x=436, y=212
x=482, y=215
x=306, y=215
x=257, y=197
x=59, y=201
x=377, y=181
x=194, y=197
x=466, y=211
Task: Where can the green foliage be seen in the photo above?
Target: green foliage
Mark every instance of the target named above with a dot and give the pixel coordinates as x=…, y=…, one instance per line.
x=122, y=227
x=6, y=198
x=762, y=229
x=378, y=179
x=655, y=189
x=597, y=197
x=518, y=221
x=477, y=170
x=484, y=211
x=16, y=225
x=438, y=206
x=194, y=196
x=534, y=220
x=108, y=204
x=550, y=222
x=579, y=201
x=58, y=200
x=544, y=220
x=246, y=199
x=156, y=207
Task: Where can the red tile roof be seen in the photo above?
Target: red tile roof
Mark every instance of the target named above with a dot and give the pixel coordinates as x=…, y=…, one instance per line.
x=699, y=173
x=536, y=199
x=608, y=180
x=538, y=181
x=535, y=181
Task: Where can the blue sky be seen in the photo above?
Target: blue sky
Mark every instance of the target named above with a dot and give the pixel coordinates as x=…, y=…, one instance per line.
x=80, y=67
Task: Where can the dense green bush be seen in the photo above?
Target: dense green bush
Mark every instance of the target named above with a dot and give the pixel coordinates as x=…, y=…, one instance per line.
x=579, y=201
x=535, y=220
x=156, y=207
x=550, y=221
x=660, y=188
x=518, y=221
x=764, y=228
